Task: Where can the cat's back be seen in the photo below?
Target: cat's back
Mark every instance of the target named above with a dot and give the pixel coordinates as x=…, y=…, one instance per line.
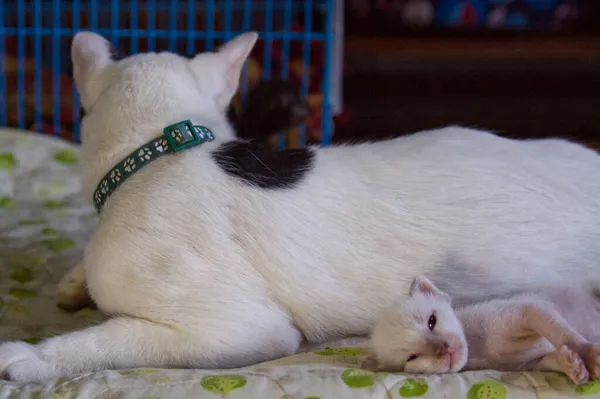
x=479, y=188
x=470, y=155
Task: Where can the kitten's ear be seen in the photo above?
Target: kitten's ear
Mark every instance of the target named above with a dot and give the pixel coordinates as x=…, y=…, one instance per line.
x=423, y=285
x=371, y=363
x=90, y=53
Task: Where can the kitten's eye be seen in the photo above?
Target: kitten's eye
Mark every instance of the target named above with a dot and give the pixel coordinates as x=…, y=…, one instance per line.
x=431, y=322
x=411, y=358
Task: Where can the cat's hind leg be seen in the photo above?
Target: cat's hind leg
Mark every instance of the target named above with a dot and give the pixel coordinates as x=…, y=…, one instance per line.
x=566, y=361
x=227, y=340
x=72, y=293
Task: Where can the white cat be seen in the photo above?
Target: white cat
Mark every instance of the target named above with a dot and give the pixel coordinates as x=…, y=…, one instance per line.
x=552, y=328
x=227, y=254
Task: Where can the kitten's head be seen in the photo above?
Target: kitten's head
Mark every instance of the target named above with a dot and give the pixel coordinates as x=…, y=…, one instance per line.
x=419, y=334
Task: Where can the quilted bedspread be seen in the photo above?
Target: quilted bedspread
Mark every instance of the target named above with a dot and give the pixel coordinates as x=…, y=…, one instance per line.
x=44, y=225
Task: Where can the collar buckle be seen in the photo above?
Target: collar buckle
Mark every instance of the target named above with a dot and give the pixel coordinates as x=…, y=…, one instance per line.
x=183, y=135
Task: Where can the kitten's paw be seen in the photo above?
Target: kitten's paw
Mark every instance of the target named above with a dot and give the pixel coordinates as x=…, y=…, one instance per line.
x=573, y=365
x=371, y=363
x=72, y=293
x=21, y=362
x=591, y=356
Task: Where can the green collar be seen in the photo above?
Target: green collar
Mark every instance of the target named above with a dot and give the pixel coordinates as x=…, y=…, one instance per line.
x=175, y=138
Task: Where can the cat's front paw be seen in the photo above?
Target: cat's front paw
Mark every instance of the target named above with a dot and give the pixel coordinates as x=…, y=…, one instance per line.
x=21, y=362
x=591, y=356
x=573, y=365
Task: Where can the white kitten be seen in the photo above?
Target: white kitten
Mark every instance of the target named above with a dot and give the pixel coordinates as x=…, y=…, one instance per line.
x=551, y=327
x=419, y=333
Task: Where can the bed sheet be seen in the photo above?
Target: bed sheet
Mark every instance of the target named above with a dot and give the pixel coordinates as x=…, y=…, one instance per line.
x=44, y=225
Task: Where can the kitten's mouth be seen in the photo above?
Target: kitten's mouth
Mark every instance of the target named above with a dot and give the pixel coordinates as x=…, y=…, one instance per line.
x=453, y=358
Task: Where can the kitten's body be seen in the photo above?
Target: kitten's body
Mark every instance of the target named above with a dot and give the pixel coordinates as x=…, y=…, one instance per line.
x=549, y=327
x=500, y=336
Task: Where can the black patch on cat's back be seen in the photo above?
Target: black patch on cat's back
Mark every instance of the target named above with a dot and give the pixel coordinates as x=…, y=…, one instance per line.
x=257, y=165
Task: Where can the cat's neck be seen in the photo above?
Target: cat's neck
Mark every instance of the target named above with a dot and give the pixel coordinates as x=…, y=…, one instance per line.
x=137, y=136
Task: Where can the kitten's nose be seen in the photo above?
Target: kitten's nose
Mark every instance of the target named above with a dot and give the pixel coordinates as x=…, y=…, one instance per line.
x=443, y=349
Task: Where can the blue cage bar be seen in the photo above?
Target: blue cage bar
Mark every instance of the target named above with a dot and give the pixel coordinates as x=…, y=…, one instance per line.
x=36, y=90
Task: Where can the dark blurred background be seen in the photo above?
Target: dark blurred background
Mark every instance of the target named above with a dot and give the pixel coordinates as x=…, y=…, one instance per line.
x=522, y=68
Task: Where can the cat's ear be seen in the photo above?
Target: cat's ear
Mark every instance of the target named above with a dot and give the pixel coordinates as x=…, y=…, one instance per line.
x=234, y=53
x=90, y=53
x=423, y=285
x=228, y=62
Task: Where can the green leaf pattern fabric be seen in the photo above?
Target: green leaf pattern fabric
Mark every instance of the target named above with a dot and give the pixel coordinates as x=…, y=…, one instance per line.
x=45, y=223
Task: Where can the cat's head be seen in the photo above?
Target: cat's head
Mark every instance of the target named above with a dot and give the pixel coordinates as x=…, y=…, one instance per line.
x=418, y=333
x=129, y=101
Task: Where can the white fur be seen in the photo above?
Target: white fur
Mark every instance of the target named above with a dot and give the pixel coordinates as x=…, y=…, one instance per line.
x=205, y=271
